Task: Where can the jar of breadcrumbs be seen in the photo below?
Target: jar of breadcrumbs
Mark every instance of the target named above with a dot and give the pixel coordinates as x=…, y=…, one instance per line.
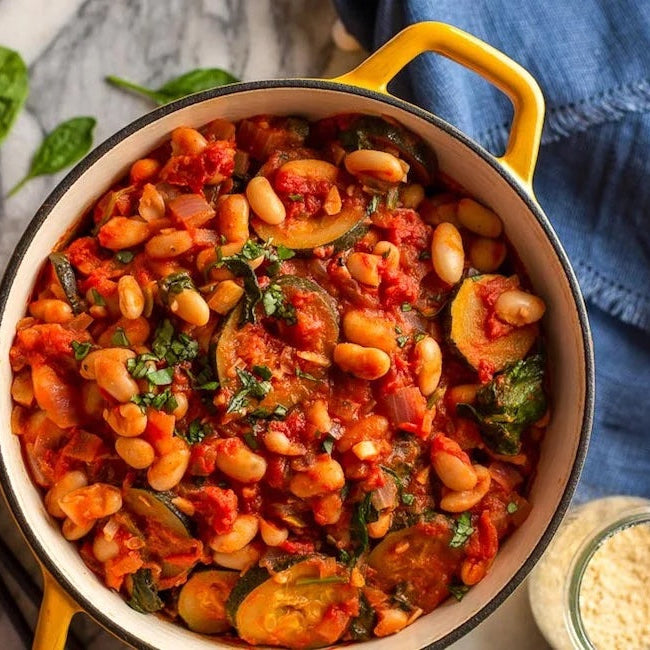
x=591, y=589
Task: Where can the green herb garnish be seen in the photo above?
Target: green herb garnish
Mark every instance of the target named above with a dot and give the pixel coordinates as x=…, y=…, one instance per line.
x=119, y=338
x=462, y=530
x=512, y=507
x=98, y=299
x=275, y=304
x=250, y=387
x=164, y=401
x=124, y=257
x=295, y=197
x=80, y=350
x=196, y=431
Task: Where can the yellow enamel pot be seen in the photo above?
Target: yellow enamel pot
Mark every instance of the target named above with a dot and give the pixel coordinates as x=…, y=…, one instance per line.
x=505, y=184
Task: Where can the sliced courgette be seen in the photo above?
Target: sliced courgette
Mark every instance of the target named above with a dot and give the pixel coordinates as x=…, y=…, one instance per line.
x=144, y=594
x=202, y=601
x=292, y=609
x=420, y=559
x=68, y=281
x=467, y=335
x=303, y=234
x=158, y=506
x=317, y=307
x=371, y=130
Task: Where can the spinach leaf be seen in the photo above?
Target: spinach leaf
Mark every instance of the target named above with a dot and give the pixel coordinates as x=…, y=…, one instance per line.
x=362, y=626
x=364, y=514
x=67, y=143
x=144, y=596
x=14, y=87
x=252, y=288
x=509, y=404
x=187, y=84
x=250, y=386
x=164, y=401
x=196, y=431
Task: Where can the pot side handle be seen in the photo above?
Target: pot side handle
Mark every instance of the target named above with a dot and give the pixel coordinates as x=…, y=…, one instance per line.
x=517, y=83
x=57, y=610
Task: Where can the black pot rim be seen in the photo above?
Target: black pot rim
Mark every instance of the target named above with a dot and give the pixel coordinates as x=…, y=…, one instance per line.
x=44, y=557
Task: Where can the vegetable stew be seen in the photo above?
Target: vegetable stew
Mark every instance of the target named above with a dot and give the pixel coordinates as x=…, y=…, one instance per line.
x=285, y=382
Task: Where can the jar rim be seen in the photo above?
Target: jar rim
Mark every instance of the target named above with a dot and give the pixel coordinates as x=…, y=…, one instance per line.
x=628, y=518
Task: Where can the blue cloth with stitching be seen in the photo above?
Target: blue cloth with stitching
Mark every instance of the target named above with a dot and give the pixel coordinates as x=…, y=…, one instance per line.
x=592, y=61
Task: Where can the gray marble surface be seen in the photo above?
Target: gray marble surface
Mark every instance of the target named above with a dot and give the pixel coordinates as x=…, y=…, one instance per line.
x=70, y=46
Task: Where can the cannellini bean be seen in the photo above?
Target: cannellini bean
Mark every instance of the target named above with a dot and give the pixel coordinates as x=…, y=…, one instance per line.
x=126, y=420
x=181, y=406
x=369, y=330
x=379, y=528
x=473, y=570
x=51, y=310
x=412, y=195
x=114, y=355
x=378, y=164
x=189, y=305
x=243, y=532
x=439, y=209
x=272, y=535
x=519, y=307
x=487, y=255
x=169, y=244
x=447, y=253
x=389, y=252
x=428, y=364
x=391, y=621
x=121, y=232
x=327, y=509
x=264, y=202
x=365, y=363
x=67, y=483
x=364, y=268
x=232, y=216
x=311, y=168
x=22, y=389
x=167, y=471
x=279, y=443
x=332, y=204
x=115, y=379
x=143, y=170
x=460, y=501
x=187, y=141
x=152, y=204
x=92, y=399
x=72, y=532
x=461, y=394
x=130, y=297
x=135, y=452
x=478, y=218
x=240, y=560
x=452, y=465
x=325, y=475
x=91, y=502
x=237, y=461
x=105, y=549
x=225, y=297
x=318, y=416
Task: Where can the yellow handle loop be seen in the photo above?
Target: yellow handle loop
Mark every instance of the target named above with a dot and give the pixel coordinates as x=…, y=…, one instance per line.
x=523, y=144
x=57, y=610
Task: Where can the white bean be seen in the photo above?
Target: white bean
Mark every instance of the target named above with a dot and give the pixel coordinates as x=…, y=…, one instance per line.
x=519, y=307
x=264, y=201
x=447, y=253
x=428, y=365
x=243, y=532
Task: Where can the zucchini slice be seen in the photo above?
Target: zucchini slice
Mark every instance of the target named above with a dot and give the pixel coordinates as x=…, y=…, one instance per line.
x=159, y=507
x=295, y=612
x=425, y=568
x=339, y=230
x=144, y=594
x=468, y=314
x=317, y=307
x=383, y=134
x=202, y=601
x=68, y=281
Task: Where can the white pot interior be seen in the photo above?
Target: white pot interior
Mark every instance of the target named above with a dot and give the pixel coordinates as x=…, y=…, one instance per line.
x=566, y=349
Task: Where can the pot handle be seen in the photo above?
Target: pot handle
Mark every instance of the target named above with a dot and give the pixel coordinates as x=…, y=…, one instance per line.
x=57, y=610
x=518, y=84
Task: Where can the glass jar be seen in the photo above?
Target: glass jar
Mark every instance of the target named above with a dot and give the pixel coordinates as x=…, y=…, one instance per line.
x=561, y=587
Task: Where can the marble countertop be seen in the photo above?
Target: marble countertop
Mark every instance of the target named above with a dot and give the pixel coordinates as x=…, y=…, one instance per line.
x=70, y=46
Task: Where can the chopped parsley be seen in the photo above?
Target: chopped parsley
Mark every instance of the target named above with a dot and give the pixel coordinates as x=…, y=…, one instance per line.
x=328, y=444
x=119, y=338
x=462, y=531
x=296, y=197
x=275, y=304
x=80, y=350
x=263, y=371
x=162, y=377
x=406, y=306
x=419, y=336
x=173, y=349
x=408, y=499
x=305, y=375
x=278, y=413
x=251, y=387
x=251, y=440
x=512, y=507
x=175, y=283
x=458, y=591
x=124, y=257
x=402, y=340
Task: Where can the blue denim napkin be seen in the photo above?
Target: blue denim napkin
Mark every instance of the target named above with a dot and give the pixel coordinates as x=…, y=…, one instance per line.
x=592, y=61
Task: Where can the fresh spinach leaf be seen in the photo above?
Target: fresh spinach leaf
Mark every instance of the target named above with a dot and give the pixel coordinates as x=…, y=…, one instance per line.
x=14, y=88
x=187, y=84
x=66, y=144
x=364, y=514
x=509, y=404
x=144, y=596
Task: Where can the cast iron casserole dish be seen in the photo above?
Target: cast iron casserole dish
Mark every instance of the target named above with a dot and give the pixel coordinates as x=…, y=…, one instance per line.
x=504, y=184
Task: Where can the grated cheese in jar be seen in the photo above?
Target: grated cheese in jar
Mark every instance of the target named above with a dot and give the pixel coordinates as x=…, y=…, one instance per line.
x=613, y=607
